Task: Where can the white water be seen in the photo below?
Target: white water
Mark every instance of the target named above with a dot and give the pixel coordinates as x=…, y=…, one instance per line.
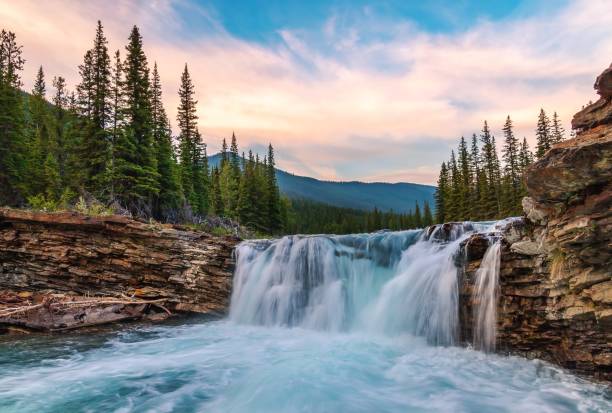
x=485, y=309
x=317, y=324
x=385, y=283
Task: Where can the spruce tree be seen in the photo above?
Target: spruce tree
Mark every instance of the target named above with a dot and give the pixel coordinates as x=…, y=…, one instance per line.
x=477, y=178
x=40, y=88
x=273, y=195
x=453, y=207
x=427, y=216
x=512, y=170
x=465, y=181
x=247, y=199
x=12, y=122
x=116, y=121
x=543, y=134
x=557, y=133
x=188, y=131
x=61, y=119
x=136, y=177
x=216, y=201
x=94, y=95
x=490, y=161
x=418, y=219
x=168, y=200
x=441, y=195
x=200, y=175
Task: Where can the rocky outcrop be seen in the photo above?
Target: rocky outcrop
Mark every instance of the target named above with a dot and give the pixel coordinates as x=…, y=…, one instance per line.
x=114, y=256
x=555, y=299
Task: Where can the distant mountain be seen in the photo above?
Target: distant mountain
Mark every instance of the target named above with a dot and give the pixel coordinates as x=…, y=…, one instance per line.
x=400, y=197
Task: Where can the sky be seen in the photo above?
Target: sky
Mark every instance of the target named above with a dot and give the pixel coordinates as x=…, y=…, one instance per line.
x=344, y=90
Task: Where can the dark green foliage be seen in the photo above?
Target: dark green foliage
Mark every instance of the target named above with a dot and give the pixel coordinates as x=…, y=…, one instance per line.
x=557, y=132
x=301, y=216
x=169, y=199
x=110, y=144
x=491, y=191
x=272, y=194
x=512, y=172
x=442, y=194
x=543, y=134
x=94, y=95
x=12, y=122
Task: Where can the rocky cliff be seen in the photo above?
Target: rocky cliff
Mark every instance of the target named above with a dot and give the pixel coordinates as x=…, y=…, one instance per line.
x=555, y=299
x=113, y=256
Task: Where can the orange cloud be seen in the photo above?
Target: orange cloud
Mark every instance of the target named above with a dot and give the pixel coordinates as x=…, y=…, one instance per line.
x=437, y=86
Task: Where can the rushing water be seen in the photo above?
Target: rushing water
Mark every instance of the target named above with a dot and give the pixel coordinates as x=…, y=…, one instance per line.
x=360, y=323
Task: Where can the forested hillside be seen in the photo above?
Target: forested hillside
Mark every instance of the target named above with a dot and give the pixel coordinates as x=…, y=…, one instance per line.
x=107, y=147
x=399, y=197
x=475, y=185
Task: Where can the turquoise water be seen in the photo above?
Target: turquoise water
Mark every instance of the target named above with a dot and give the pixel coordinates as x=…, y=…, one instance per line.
x=223, y=367
x=358, y=323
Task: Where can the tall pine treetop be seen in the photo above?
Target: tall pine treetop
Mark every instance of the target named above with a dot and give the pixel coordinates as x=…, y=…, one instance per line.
x=39, y=84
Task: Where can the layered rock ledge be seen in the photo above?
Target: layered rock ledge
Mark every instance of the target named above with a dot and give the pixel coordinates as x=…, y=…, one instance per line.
x=113, y=256
x=555, y=294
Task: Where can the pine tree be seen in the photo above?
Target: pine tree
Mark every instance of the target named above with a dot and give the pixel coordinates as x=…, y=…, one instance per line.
x=137, y=180
x=427, y=216
x=557, y=130
x=94, y=101
x=230, y=176
x=512, y=170
x=168, y=201
x=247, y=199
x=525, y=156
x=12, y=122
x=39, y=89
x=41, y=143
x=273, y=195
x=543, y=134
x=491, y=196
x=453, y=206
x=477, y=178
x=116, y=121
x=465, y=180
x=525, y=160
x=61, y=119
x=441, y=195
x=216, y=201
x=418, y=219
x=187, y=122
x=200, y=175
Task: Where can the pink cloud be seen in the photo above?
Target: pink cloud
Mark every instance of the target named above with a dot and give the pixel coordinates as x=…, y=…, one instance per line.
x=444, y=87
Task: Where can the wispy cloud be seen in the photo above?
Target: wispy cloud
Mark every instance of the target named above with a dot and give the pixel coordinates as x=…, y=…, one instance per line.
x=374, y=77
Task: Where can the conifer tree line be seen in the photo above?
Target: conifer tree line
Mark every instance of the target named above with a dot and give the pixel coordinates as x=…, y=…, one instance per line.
x=110, y=141
x=308, y=217
x=474, y=184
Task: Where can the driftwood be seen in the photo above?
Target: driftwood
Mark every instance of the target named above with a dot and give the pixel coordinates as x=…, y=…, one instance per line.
x=55, y=312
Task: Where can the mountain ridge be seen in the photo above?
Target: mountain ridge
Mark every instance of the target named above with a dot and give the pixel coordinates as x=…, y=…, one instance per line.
x=385, y=196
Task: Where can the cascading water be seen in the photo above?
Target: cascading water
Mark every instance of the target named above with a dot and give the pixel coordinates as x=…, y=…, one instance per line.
x=485, y=308
x=389, y=283
x=389, y=295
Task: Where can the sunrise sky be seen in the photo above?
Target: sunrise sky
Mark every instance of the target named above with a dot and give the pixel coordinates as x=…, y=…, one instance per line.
x=359, y=90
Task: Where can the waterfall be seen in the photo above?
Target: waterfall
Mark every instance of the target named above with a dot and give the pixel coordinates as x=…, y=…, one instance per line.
x=485, y=296
x=389, y=283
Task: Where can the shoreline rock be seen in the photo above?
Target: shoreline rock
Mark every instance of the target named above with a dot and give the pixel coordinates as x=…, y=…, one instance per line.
x=114, y=256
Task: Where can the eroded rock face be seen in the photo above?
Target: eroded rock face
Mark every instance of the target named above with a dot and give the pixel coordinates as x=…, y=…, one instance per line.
x=115, y=256
x=555, y=299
